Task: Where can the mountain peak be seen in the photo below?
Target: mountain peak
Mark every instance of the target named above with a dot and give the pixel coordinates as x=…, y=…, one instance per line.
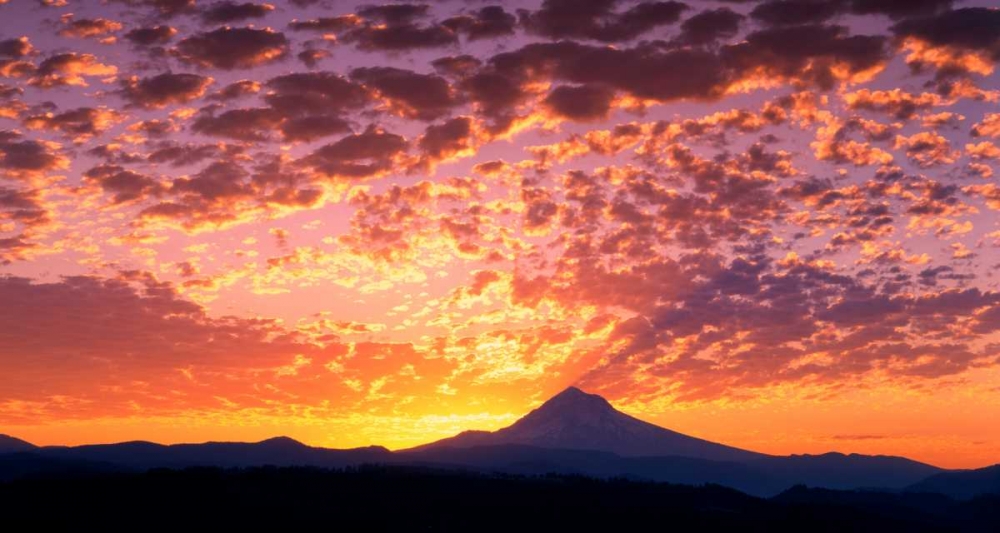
x=282, y=441
x=573, y=397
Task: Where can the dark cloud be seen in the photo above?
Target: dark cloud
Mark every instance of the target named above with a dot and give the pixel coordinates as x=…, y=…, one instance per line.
x=974, y=29
x=164, y=89
x=312, y=127
x=79, y=124
x=312, y=56
x=327, y=24
x=224, y=12
x=358, y=156
x=314, y=92
x=413, y=95
x=220, y=180
x=124, y=185
x=580, y=102
x=25, y=207
x=710, y=26
x=24, y=158
x=440, y=141
x=233, y=48
x=486, y=23
x=236, y=90
x=151, y=35
x=598, y=19
x=793, y=12
x=245, y=124
x=395, y=14
x=166, y=8
x=457, y=66
x=16, y=48
x=645, y=71
x=810, y=53
x=178, y=155
x=390, y=27
x=401, y=37
x=898, y=9
x=302, y=106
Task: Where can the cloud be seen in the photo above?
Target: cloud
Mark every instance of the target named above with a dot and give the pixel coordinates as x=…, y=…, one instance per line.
x=598, y=19
x=227, y=11
x=94, y=328
x=151, y=35
x=164, y=89
x=26, y=159
x=80, y=124
x=16, y=48
x=69, y=69
x=896, y=102
x=441, y=141
x=233, y=48
x=794, y=12
x=124, y=185
x=989, y=127
x=97, y=28
x=305, y=93
x=580, y=102
x=927, y=149
x=487, y=23
x=327, y=24
x=954, y=42
x=709, y=26
x=244, y=124
x=409, y=94
x=236, y=90
x=25, y=207
x=362, y=155
x=166, y=8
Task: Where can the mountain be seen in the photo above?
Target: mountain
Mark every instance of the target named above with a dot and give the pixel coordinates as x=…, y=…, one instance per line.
x=10, y=444
x=572, y=433
x=279, y=451
x=845, y=471
x=965, y=484
x=576, y=420
x=621, y=445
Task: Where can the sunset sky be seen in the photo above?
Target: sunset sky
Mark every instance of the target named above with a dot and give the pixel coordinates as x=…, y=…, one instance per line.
x=773, y=224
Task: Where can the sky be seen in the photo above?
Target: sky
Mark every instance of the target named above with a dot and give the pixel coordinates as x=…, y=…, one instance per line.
x=772, y=224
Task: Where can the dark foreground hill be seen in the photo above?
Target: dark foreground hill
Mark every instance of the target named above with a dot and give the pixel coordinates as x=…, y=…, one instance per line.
x=962, y=484
x=411, y=499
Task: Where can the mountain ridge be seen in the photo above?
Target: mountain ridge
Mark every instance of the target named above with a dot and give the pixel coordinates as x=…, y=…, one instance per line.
x=574, y=432
x=9, y=444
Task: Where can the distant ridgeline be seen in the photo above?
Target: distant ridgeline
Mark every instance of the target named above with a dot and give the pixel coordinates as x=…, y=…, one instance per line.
x=574, y=433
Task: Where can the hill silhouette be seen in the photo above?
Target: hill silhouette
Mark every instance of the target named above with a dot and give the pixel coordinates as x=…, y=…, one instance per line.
x=278, y=451
x=963, y=484
x=415, y=499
